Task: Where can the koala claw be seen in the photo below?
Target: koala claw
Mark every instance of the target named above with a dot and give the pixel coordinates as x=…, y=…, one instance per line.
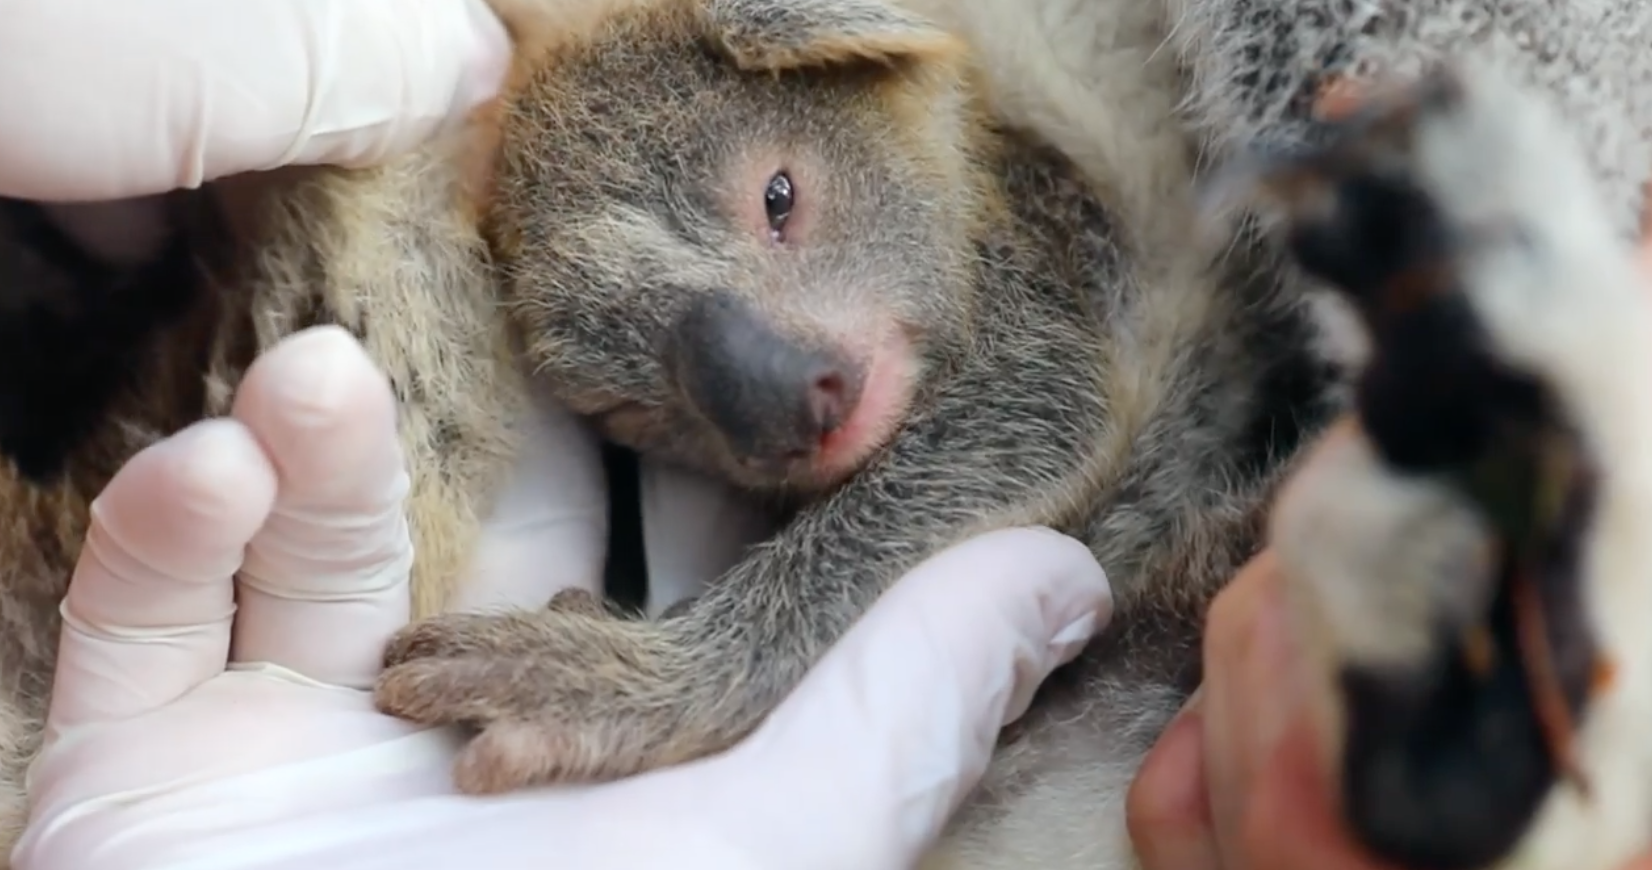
x=572, y=693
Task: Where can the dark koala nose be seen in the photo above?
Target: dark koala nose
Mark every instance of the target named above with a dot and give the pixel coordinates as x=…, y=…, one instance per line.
x=770, y=395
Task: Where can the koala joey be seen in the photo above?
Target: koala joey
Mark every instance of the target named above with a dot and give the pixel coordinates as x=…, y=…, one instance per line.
x=808, y=257
x=817, y=248
x=787, y=244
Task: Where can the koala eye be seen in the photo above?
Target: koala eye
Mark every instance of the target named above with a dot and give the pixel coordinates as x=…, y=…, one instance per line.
x=777, y=202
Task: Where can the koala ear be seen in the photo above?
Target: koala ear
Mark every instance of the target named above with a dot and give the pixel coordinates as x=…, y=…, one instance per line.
x=777, y=35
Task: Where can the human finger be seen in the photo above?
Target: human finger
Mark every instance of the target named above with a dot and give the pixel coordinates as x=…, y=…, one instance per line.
x=148, y=611
x=1270, y=802
x=324, y=584
x=1288, y=821
x=107, y=99
x=866, y=760
x=1251, y=689
x=1168, y=807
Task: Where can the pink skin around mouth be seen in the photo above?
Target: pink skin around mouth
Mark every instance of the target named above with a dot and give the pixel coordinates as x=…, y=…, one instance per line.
x=883, y=403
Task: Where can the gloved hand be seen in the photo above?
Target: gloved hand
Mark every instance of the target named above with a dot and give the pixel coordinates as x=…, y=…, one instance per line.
x=108, y=104
x=106, y=99
x=161, y=755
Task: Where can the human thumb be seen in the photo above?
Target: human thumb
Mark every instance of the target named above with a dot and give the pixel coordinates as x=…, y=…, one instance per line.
x=880, y=743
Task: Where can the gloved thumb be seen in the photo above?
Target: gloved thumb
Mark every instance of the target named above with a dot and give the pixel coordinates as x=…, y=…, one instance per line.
x=325, y=582
x=880, y=743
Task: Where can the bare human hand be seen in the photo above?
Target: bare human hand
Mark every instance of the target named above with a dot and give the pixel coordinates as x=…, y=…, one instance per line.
x=1235, y=782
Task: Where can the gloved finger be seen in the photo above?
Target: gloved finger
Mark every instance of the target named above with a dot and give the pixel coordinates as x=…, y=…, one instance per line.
x=694, y=528
x=147, y=616
x=899, y=719
x=325, y=583
x=107, y=99
x=549, y=529
x=1168, y=808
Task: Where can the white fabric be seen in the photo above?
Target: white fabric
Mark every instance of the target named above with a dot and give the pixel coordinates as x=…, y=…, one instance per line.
x=693, y=529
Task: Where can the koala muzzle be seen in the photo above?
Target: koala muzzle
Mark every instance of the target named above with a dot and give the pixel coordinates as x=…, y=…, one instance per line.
x=774, y=398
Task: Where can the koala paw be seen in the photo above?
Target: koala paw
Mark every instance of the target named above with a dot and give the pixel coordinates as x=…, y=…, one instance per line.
x=1468, y=557
x=573, y=693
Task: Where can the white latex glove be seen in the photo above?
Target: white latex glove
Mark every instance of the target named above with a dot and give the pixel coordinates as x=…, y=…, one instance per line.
x=106, y=99
x=189, y=732
x=105, y=104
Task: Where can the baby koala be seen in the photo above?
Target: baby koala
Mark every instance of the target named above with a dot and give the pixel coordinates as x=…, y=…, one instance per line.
x=787, y=243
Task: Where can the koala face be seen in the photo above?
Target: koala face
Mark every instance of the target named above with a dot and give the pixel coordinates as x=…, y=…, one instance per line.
x=735, y=236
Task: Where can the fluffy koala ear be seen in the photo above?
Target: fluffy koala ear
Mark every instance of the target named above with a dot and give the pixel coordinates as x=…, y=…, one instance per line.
x=778, y=35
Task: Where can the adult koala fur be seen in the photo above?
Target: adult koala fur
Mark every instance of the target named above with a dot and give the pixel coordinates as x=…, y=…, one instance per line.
x=975, y=280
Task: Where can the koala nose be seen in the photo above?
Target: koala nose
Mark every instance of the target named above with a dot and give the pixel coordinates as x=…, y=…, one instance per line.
x=829, y=400
x=771, y=396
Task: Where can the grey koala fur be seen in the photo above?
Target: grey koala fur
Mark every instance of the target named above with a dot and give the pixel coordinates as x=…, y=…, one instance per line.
x=1154, y=454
